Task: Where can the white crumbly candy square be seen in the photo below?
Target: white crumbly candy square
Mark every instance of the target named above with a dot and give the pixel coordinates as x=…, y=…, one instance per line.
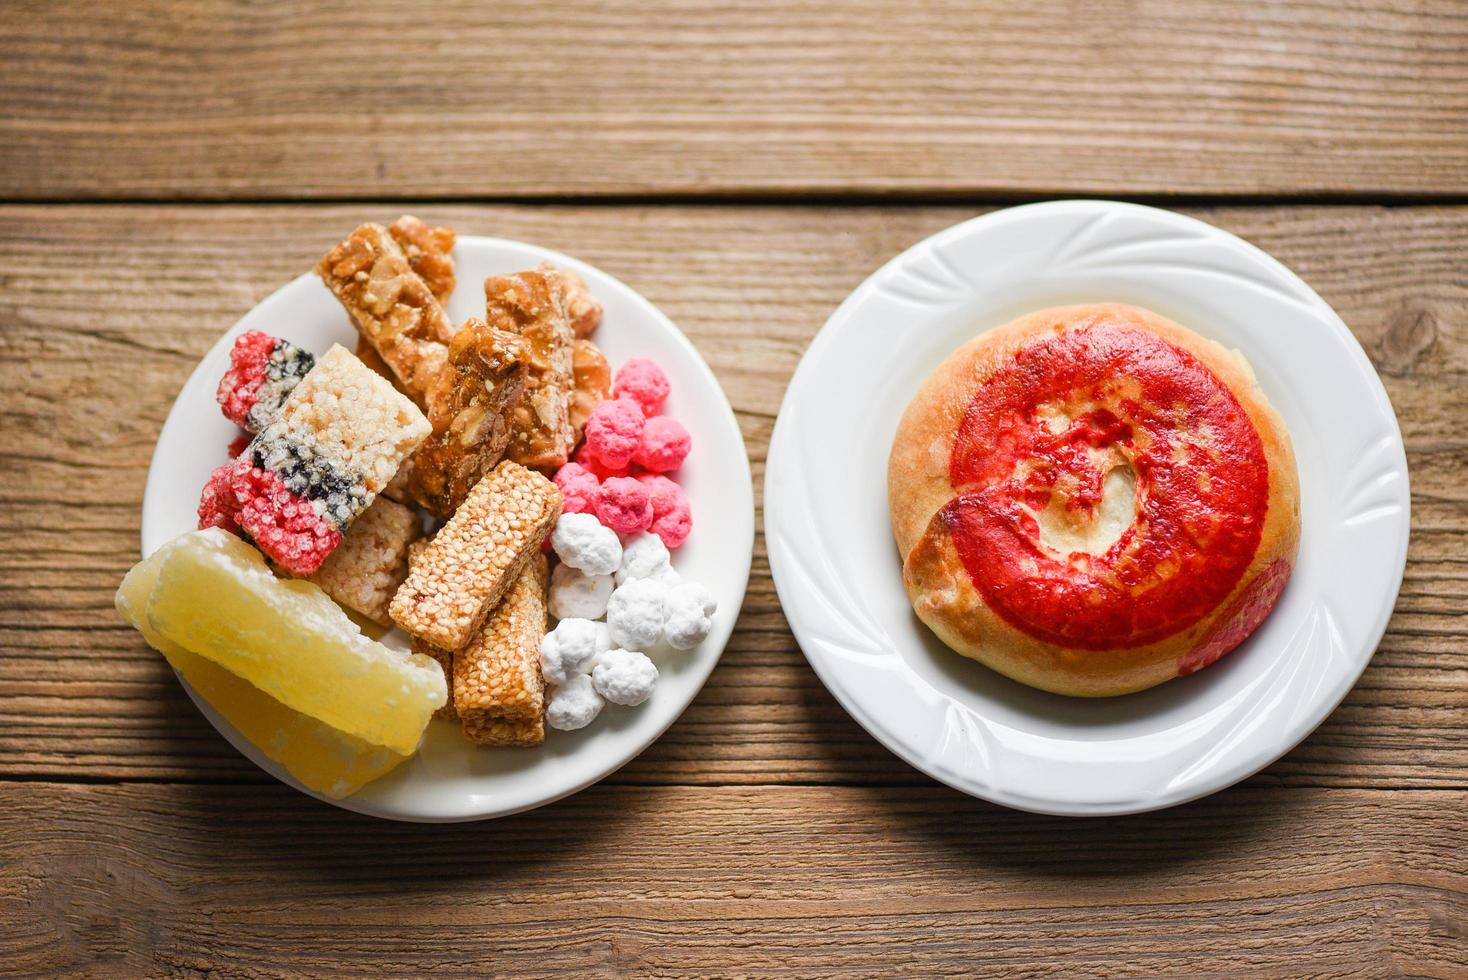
x=576, y=595
x=635, y=613
x=690, y=609
x=574, y=704
x=624, y=677
x=582, y=541
x=572, y=648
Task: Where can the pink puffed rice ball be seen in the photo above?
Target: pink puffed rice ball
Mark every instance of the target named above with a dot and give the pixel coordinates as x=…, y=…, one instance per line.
x=614, y=431
x=584, y=456
x=579, y=487
x=665, y=444
x=624, y=505
x=672, y=520
x=644, y=382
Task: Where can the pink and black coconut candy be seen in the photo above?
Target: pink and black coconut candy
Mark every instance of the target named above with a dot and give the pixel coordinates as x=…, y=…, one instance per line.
x=316, y=464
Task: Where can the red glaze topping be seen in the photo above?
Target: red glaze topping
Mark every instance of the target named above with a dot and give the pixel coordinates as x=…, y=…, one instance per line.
x=1244, y=615
x=1115, y=396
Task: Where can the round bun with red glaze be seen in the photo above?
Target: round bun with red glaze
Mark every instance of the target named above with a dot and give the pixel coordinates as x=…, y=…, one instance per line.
x=1093, y=500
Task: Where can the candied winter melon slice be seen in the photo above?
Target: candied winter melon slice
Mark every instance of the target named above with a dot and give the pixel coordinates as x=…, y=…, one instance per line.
x=216, y=597
x=318, y=756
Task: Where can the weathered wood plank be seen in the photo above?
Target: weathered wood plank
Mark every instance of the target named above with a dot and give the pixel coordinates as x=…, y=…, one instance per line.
x=186, y=99
x=96, y=336
x=250, y=881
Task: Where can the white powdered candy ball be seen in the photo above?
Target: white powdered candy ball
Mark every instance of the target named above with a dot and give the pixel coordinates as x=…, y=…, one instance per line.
x=690, y=611
x=572, y=705
x=635, y=613
x=643, y=556
x=624, y=677
x=576, y=595
x=582, y=541
x=571, y=648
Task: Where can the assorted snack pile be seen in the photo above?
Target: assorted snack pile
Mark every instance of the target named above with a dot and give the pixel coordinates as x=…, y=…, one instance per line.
x=512, y=438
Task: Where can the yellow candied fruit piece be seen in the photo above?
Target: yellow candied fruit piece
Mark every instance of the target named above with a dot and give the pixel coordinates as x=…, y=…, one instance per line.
x=321, y=758
x=216, y=597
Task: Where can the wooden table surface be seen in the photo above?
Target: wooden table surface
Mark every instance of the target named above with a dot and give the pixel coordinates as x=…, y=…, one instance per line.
x=744, y=164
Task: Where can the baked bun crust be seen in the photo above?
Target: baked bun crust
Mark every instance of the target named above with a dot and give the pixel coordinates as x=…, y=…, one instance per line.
x=1093, y=500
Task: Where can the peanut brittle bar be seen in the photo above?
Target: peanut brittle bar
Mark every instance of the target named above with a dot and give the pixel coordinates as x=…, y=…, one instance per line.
x=365, y=570
x=390, y=305
x=427, y=249
x=581, y=307
x=474, y=559
x=533, y=305
x=497, y=689
x=469, y=407
x=592, y=383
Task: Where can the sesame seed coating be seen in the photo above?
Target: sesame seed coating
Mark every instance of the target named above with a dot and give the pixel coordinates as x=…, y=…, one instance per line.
x=498, y=691
x=390, y=304
x=364, y=571
x=444, y=658
x=472, y=561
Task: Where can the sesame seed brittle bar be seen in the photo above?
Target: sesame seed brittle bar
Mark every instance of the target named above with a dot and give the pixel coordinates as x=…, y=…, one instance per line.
x=390, y=304
x=469, y=407
x=497, y=688
x=533, y=305
x=475, y=558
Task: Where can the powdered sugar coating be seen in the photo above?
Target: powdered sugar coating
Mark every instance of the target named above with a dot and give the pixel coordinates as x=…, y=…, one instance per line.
x=614, y=432
x=643, y=381
x=672, y=518
x=665, y=444
x=624, y=505
x=579, y=487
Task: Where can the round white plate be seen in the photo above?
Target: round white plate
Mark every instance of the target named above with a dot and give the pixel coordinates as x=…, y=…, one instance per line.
x=839, y=575
x=450, y=779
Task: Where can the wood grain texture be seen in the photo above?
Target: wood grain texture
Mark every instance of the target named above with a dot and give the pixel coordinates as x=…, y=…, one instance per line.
x=732, y=881
x=104, y=311
x=172, y=99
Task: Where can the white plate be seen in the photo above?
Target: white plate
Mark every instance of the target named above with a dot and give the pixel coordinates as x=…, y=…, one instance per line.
x=839, y=575
x=450, y=779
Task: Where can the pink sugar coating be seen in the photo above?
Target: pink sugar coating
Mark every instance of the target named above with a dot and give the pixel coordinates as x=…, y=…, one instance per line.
x=587, y=458
x=217, y=506
x=579, y=488
x=239, y=389
x=644, y=382
x=665, y=444
x=624, y=505
x=614, y=431
x=284, y=526
x=672, y=518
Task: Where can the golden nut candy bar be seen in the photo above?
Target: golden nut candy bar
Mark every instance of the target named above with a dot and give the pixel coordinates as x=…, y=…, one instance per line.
x=533, y=305
x=390, y=305
x=469, y=407
x=427, y=249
